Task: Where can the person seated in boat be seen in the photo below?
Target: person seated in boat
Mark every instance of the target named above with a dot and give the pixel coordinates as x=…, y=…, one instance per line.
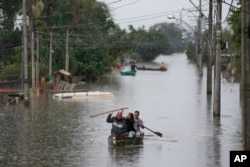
x=133, y=66
x=163, y=66
x=130, y=124
x=138, y=124
x=118, y=124
x=118, y=66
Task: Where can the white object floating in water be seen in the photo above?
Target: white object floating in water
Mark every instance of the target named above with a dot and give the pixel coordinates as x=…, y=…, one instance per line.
x=82, y=95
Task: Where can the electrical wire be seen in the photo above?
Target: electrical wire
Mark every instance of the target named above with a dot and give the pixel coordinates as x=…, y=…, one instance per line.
x=128, y=4
x=229, y=11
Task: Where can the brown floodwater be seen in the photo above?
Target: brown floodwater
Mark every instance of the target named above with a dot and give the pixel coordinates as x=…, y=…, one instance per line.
x=61, y=133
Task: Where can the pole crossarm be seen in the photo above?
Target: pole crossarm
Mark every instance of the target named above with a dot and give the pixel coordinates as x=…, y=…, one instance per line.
x=172, y=17
x=202, y=14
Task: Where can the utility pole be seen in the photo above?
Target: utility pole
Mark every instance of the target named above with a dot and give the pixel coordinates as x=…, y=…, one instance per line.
x=25, y=59
x=50, y=55
x=67, y=51
x=37, y=59
x=200, y=56
x=210, y=48
x=245, y=87
x=33, y=61
x=217, y=82
x=198, y=39
x=181, y=18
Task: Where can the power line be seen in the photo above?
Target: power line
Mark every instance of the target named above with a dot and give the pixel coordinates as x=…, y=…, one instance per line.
x=229, y=11
x=121, y=21
x=128, y=4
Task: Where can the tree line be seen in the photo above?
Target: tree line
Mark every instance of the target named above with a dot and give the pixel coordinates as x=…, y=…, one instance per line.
x=95, y=41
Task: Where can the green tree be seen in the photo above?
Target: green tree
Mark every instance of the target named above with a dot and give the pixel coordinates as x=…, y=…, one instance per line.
x=148, y=43
x=152, y=44
x=89, y=24
x=234, y=21
x=190, y=51
x=175, y=35
x=95, y=41
x=9, y=11
x=10, y=37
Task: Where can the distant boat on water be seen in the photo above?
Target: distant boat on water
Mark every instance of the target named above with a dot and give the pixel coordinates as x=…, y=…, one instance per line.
x=132, y=73
x=151, y=69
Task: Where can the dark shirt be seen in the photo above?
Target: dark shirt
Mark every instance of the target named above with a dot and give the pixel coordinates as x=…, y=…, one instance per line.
x=118, y=125
x=133, y=67
x=130, y=125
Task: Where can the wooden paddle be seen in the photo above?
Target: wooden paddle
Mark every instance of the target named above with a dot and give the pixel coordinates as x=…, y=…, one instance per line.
x=157, y=133
x=108, y=112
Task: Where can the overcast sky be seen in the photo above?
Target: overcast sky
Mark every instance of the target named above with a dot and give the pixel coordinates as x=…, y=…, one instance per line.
x=150, y=12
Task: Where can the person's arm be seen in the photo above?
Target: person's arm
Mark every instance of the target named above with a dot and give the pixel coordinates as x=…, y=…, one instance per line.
x=123, y=117
x=141, y=124
x=109, y=119
x=135, y=126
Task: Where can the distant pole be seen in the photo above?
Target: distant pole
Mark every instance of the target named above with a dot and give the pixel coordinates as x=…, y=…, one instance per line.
x=181, y=18
x=33, y=61
x=37, y=59
x=200, y=40
x=210, y=48
x=50, y=55
x=25, y=60
x=217, y=82
x=67, y=51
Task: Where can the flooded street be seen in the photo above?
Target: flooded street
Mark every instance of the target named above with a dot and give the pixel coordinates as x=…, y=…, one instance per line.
x=174, y=103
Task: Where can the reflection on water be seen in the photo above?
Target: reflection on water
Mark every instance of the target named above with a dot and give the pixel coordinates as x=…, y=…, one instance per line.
x=174, y=103
x=125, y=156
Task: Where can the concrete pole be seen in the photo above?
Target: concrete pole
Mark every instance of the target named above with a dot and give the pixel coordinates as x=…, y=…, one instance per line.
x=245, y=80
x=200, y=40
x=50, y=55
x=181, y=18
x=217, y=82
x=37, y=59
x=32, y=48
x=197, y=38
x=67, y=51
x=25, y=63
x=210, y=48
x=33, y=62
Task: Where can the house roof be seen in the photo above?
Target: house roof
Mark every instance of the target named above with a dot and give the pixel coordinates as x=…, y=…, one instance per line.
x=63, y=72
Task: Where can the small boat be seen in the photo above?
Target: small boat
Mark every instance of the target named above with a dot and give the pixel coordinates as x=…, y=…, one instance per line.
x=132, y=73
x=82, y=95
x=151, y=69
x=124, y=140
